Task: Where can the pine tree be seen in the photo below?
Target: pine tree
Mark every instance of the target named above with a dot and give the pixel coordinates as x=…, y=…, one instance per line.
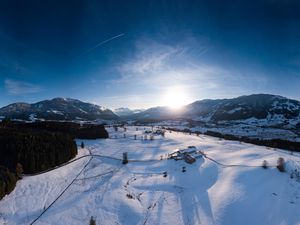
x=19, y=170
x=281, y=164
x=92, y=221
x=265, y=164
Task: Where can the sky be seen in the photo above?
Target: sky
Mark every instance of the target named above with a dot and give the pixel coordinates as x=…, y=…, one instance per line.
x=141, y=54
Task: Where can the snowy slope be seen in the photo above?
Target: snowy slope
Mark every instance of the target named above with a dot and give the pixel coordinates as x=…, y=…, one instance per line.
x=126, y=111
x=58, y=109
x=138, y=193
x=259, y=109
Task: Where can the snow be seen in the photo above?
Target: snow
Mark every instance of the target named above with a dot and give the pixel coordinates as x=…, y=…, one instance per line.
x=126, y=111
x=289, y=105
x=102, y=108
x=81, y=110
x=234, y=110
x=40, y=105
x=32, y=117
x=264, y=129
x=55, y=112
x=138, y=193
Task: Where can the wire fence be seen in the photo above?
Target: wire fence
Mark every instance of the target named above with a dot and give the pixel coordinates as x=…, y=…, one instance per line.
x=64, y=190
x=91, y=155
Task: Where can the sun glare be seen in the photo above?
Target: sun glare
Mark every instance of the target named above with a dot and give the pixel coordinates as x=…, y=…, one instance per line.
x=175, y=98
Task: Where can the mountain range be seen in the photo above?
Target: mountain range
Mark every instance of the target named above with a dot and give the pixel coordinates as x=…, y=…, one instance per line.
x=126, y=111
x=263, y=108
x=243, y=107
x=259, y=107
x=57, y=109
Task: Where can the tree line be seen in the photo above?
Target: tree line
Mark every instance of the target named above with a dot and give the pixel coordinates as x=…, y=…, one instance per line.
x=273, y=143
x=34, y=147
x=83, y=131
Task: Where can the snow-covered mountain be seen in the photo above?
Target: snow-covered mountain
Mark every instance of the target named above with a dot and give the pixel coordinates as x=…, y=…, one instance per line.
x=126, y=111
x=57, y=109
x=258, y=107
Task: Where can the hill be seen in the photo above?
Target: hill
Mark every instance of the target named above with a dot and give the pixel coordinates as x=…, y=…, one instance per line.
x=263, y=108
x=57, y=109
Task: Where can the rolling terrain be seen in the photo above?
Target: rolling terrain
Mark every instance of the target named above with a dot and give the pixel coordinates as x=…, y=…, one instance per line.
x=228, y=186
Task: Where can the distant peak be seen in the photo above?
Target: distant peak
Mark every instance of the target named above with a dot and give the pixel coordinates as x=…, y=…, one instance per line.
x=64, y=99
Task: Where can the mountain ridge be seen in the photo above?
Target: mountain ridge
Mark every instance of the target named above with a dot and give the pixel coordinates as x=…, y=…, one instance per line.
x=57, y=109
x=124, y=111
x=256, y=107
x=260, y=107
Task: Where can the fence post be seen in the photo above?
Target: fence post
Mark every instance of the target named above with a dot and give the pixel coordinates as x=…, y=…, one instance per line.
x=125, y=158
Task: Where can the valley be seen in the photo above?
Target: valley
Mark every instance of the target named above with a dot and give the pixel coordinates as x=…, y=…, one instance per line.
x=152, y=189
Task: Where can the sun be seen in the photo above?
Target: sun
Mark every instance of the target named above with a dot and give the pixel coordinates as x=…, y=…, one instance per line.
x=175, y=97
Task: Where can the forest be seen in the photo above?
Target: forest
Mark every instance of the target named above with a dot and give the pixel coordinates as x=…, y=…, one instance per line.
x=28, y=148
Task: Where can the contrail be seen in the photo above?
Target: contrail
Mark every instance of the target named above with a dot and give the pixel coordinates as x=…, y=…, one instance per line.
x=103, y=42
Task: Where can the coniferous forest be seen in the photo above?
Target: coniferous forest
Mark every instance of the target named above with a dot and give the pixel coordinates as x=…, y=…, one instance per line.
x=35, y=147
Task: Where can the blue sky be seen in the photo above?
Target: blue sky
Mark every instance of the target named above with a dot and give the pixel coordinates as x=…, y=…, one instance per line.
x=134, y=53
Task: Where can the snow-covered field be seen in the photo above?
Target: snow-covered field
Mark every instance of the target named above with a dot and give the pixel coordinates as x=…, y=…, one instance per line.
x=254, y=132
x=253, y=129
x=139, y=193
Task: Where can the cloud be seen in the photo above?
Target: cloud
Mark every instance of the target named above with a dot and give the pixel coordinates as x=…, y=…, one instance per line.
x=15, y=87
x=151, y=60
x=159, y=65
x=155, y=67
x=150, y=57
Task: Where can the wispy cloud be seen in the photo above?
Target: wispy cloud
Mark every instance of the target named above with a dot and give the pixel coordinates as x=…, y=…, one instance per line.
x=151, y=56
x=155, y=67
x=151, y=61
x=159, y=65
x=16, y=87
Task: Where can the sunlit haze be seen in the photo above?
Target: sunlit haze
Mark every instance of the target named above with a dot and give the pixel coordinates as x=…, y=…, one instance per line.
x=176, y=97
x=153, y=112
x=130, y=53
